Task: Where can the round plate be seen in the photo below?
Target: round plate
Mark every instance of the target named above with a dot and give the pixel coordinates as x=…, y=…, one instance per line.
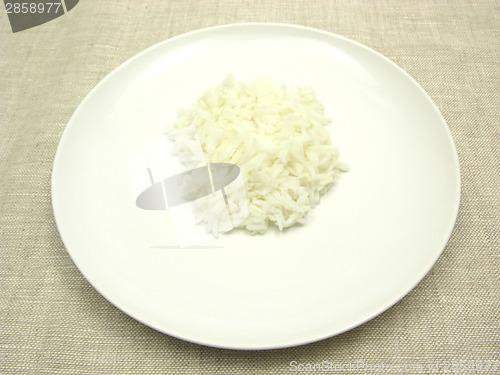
x=373, y=237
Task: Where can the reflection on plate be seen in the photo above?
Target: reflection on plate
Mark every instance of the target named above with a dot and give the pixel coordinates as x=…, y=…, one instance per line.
x=374, y=236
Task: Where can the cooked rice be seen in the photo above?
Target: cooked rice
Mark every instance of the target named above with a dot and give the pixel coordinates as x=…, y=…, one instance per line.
x=277, y=135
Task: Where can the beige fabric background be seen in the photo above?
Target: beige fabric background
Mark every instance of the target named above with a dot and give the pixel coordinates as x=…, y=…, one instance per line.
x=53, y=322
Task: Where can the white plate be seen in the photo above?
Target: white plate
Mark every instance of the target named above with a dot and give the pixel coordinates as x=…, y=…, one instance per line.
x=369, y=242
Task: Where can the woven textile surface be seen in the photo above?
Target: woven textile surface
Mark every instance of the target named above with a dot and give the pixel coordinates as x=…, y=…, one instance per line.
x=52, y=321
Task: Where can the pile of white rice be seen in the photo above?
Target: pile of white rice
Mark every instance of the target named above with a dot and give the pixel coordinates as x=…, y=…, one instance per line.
x=277, y=136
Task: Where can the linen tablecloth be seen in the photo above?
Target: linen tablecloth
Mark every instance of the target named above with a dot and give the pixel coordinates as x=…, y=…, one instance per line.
x=52, y=321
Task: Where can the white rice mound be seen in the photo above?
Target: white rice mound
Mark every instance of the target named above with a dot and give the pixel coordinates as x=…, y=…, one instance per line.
x=277, y=135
